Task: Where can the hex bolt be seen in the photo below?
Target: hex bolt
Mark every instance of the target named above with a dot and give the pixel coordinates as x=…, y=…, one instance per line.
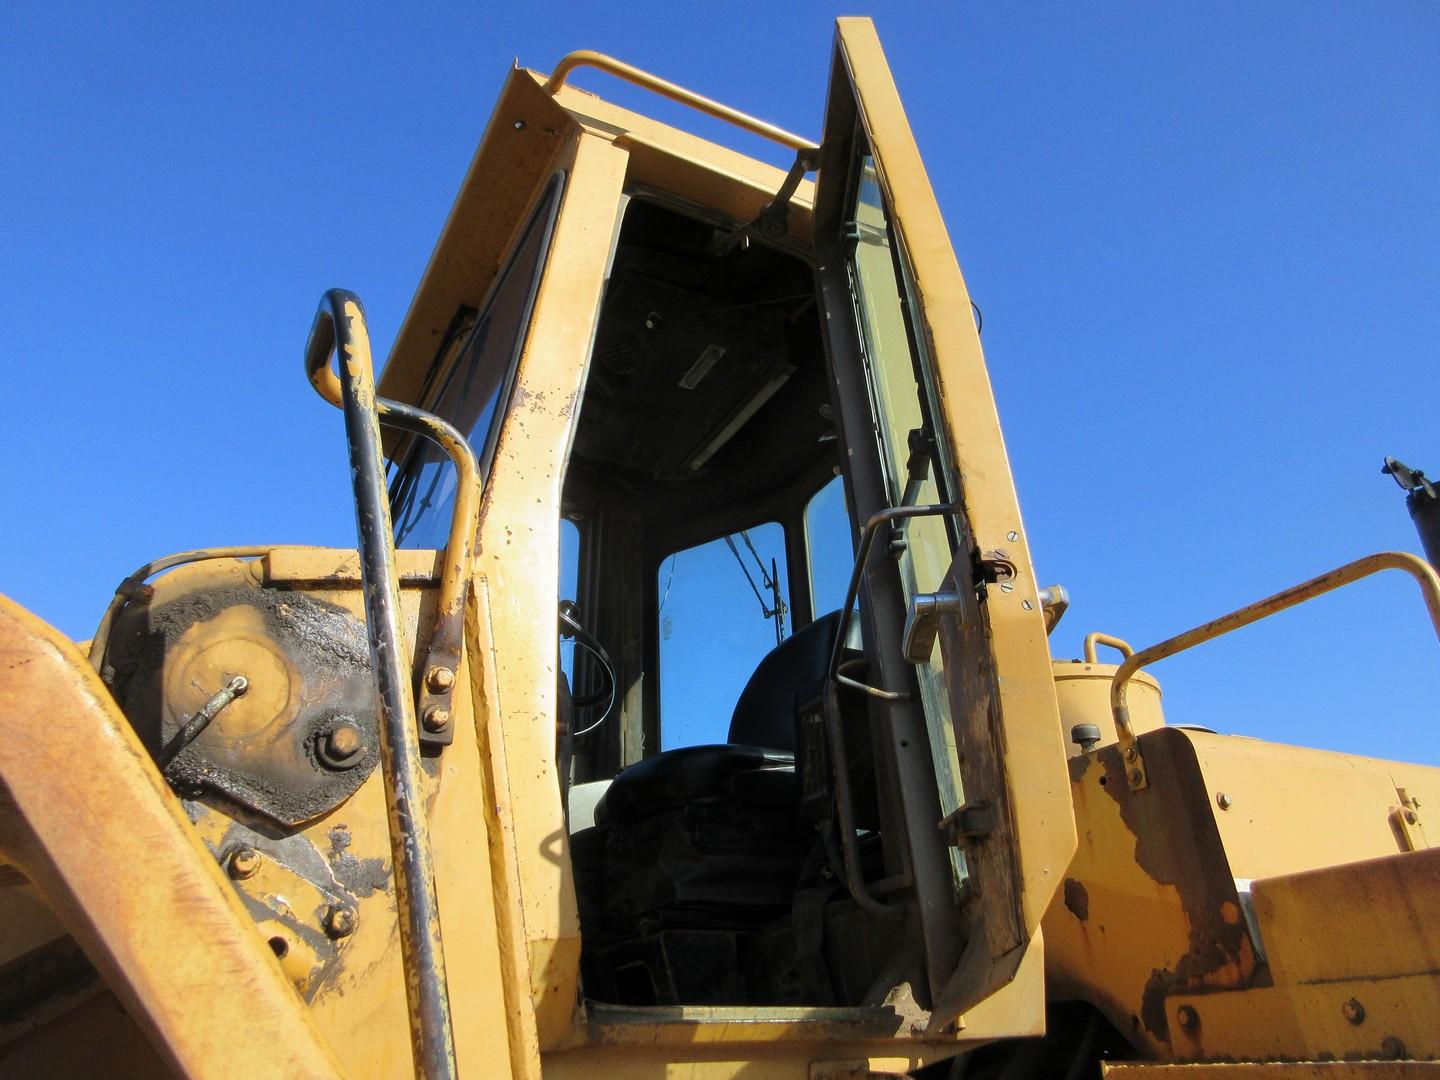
x=339, y=921
x=1353, y=1011
x=1223, y=801
x=440, y=679
x=1188, y=1017
x=342, y=746
x=436, y=719
x=244, y=862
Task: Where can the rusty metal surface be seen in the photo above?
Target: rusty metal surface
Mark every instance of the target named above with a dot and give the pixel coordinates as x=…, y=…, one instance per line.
x=134, y=884
x=1424, y=575
x=1149, y=906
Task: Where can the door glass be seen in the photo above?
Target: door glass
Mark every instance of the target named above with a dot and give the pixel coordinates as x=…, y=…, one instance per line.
x=722, y=607
x=471, y=398
x=829, y=547
x=898, y=401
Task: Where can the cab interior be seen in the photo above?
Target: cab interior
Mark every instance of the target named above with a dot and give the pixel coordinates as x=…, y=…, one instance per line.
x=705, y=557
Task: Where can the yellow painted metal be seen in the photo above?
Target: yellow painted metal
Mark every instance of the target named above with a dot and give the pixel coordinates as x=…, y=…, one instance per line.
x=1082, y=690
x=522, y=515
x=137, y=889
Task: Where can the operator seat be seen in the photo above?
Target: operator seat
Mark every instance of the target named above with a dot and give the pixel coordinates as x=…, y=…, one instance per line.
x=756, y=765
x=709, y=835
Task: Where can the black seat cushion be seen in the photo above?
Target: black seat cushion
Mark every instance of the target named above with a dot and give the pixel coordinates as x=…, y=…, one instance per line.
x=791, y=675
x=746, y=775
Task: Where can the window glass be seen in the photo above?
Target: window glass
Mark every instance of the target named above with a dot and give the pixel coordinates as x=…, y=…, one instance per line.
x=474, y=386
x=829, y=547
x=569, y=590
x=899, y=402
x=722, y=607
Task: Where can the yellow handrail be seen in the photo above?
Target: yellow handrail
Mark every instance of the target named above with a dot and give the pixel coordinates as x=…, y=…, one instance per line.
x=1423, y=573
x=665, y=88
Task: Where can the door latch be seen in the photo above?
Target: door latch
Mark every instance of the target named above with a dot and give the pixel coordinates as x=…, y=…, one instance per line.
x=922, y=622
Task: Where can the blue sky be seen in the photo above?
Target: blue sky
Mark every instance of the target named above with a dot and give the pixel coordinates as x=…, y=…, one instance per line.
x=1204, y=239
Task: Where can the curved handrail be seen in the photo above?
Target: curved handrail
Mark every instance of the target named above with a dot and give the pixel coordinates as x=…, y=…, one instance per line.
x=340, y=326
x=443, y=659
x=1095, y=637
x=1413, y=565
x=643, y=79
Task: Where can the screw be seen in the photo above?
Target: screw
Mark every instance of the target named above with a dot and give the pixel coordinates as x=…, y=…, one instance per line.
x=339, y=921
x=436, y=719
x=1012, y=536
x=1223, y=801
x=1135, y=776
x=519, y=125
x=244, y=861
x=440, y=679
x=341, y=747
x=1130, y=753
x=1188, y=1017
x=1353, y=1011
x=1410, y=817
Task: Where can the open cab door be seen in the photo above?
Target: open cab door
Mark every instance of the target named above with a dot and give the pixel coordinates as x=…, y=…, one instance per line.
x=954, y=616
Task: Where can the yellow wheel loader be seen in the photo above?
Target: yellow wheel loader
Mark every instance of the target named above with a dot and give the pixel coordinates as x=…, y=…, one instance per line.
x=511, y=790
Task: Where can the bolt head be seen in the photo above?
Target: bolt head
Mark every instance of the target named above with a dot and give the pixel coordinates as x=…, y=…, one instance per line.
x=1131, y=753
x=1188, y=1017
x=1353, y=1011
x=1392, y=1048
x=436, y=719
x=1223, y=801
x=339, y=921
x=1136, y=776
x=440, y=679
x=342, y=746
x=244, y=862
x=1411, y=817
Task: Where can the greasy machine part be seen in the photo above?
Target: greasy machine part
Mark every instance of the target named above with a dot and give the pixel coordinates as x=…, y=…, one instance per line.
x=310, y=695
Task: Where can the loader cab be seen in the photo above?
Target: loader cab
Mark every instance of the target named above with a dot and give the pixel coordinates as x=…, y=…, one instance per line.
x=737, y=423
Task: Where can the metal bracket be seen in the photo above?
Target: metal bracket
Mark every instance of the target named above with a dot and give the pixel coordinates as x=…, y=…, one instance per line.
x=973, y=821
x=922, y=622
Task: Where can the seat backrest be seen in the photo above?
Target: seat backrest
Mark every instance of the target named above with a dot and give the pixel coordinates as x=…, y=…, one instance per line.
x=791, y=674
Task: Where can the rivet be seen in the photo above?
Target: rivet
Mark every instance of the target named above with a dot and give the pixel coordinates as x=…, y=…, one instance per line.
x=436, y=719
x=1223, y=801
x=519, y=125
x=244, y=862
x=440, y=679
x=339, y=921
x=1353, y=1011
x=1392, y=1048
x=1188, y=1017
